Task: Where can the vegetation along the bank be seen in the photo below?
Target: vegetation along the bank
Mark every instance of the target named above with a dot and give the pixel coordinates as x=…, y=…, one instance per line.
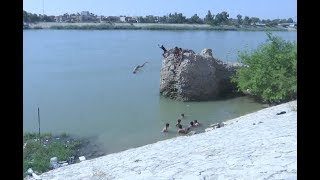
x=37, y=155
x=162, y=27
x=270, y=72
x=219, y=21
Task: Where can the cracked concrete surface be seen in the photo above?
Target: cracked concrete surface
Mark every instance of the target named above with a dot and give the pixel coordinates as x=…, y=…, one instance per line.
x=240, y=150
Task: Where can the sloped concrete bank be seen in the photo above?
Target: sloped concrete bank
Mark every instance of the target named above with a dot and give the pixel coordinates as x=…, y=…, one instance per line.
x=260, y=145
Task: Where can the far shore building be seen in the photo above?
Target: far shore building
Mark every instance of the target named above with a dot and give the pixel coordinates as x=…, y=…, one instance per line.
x=85, y=13
x=58, y=19
x=128, y=19
x=131, y=20
x=288, y=24
x=102, y=19
x=86, y=16
x=260, y=24
x=136, y=18
x=122, y=18
x=112, y=19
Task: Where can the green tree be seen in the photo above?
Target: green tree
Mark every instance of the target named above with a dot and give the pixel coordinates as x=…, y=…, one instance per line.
x=218, y=19
x=270, y=72
x=141, y=19
x=246, y=20
x=283, y=21
x=195, y=19
x=151, y=19
x=26, y=17
x=180, y=18
x=233, y=22
x=254, y=20
x=275, y=22
x=209, y=18
x=176, y=18
x=46, y=18
x=34, y=18
x=267, y=22
x=290, y=20
x=239, y=18
x=29, y=17
x=164, y=19
x=221, y=18
x=225, y=17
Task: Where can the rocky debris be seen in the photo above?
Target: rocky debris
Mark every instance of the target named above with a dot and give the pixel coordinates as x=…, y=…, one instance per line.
x=265, y=105
x=71, y=160
x=88, y=149
x=32, y=174
x=29, y=171
x=191, y=133
x=247, y=92
x=188, y=76
x=35, y=176
x=82, y=158
x=215, y=126
x=54, y=163
x=64, y=164
x=88, y=146
x=282, y=112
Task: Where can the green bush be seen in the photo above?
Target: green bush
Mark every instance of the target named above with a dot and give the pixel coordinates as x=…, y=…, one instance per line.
x=37, y=156
x=270, y=72
x=32, y=135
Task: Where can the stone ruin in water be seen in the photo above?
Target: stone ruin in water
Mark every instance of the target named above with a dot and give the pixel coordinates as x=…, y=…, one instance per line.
x=187, y=76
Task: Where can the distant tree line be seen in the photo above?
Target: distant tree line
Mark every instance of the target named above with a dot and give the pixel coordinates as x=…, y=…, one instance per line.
x=223, y=19
x=211, y=19
x=178, y=18
x=30, y=17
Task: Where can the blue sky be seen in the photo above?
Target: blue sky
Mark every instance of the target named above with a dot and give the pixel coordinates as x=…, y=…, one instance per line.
x=263, y=9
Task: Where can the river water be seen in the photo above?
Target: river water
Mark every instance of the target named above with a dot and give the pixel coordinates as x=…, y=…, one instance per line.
x=82, y=82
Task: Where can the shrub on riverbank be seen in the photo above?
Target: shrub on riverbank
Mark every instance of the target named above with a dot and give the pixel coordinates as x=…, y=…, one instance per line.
x=270, y=72
x=37, y=156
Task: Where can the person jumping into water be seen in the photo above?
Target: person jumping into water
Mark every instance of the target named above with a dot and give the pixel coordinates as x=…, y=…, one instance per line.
x=137, y=68
x=164, y=50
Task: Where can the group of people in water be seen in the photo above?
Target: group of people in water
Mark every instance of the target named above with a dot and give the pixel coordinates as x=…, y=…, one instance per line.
x=182, y=130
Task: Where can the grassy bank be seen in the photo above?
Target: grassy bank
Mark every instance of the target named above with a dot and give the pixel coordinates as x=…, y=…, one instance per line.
x=37, y=155
x=94, y=26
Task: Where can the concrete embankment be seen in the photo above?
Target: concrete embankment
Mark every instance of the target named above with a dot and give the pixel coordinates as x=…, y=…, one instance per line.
x=260, y=145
